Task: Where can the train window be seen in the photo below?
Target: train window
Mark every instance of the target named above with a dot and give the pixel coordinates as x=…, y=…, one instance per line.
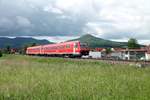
x=67, y=46
x=62, y=47
x=76, y=45
x=83, y=45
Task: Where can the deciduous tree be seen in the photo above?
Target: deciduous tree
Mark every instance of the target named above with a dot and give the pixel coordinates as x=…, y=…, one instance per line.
x=133, y=44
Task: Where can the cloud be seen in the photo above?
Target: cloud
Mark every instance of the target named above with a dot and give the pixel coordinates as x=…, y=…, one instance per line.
x=5, y=23
x=23, y=22
x=6, y=26
x=110, y=19
x=56, y=38
x=52, y=9
x=122, y=19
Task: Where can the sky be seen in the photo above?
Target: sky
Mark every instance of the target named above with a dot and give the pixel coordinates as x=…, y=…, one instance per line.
x=63, y=19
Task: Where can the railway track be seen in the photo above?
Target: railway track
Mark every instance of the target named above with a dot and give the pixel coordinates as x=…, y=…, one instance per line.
x=127, y=62
x=111, y=61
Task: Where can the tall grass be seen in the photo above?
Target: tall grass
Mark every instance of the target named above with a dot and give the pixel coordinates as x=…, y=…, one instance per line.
x=35, y=78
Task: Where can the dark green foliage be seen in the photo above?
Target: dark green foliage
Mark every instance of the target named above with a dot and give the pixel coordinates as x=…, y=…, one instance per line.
x=24, y=48
x=94, y=42
x=8, y=49
x=1, y=54
x=108, y=50
x=33, y=44
x=133, y=44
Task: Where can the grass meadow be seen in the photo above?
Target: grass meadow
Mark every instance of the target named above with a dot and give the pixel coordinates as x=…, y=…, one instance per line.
x=37, y=78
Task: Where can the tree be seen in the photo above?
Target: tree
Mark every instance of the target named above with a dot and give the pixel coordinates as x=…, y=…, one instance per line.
x=108, y=50
x=1, y=54
x=32, y=44
x=7, y=49
x=133, y=44
x=23, y=49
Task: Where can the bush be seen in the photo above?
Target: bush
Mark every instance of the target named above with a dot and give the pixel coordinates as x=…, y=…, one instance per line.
x=1, y=54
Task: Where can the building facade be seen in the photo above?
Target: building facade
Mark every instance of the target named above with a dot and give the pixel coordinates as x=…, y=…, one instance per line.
x=133, y=54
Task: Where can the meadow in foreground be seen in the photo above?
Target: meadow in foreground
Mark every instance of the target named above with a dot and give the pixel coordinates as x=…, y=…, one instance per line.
x=35, y=78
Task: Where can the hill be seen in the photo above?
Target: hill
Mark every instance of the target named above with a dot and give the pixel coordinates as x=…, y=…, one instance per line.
x=99, y=42
x=19, y=42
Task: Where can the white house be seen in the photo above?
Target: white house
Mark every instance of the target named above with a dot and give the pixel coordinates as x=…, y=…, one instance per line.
x=147, y=56
x=116, y=53
x=133, y=54
x=97, y=53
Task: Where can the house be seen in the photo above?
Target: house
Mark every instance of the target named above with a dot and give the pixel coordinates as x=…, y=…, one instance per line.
x=97, y=53
x=147, y=54
x=116, y=53
x=133, y=54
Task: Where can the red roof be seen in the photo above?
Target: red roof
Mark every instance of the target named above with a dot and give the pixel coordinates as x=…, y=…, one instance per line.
x=118, y=49
x=121, y=49
x=138, y=50
x=148, y=52
x=97, y=49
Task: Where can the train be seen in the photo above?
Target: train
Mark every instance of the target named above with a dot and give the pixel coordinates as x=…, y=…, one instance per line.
x=64, y=49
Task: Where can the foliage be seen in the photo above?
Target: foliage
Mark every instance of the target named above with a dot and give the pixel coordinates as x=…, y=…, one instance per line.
x=133, y=44
x=108, y=50
x=33, y=44
x=1, y=54
x=24, y=48
x=36, y=78
x=7, y=49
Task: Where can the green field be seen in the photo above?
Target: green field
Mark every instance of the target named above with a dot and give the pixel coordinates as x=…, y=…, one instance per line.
x=35, y=78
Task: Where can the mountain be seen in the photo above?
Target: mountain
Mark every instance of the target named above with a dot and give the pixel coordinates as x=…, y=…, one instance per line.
x=94, y=42
x=20, y=42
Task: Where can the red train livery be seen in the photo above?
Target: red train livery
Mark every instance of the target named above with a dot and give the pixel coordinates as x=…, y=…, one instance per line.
x=71, y=49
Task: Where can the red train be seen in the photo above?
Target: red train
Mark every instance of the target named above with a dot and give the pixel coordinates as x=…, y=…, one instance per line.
x=70, y=49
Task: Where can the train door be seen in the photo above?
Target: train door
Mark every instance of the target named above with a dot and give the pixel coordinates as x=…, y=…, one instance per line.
x=74, y=48
x=42, y=50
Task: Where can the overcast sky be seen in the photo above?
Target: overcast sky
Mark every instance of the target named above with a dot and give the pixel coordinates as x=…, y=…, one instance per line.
x=109, y=19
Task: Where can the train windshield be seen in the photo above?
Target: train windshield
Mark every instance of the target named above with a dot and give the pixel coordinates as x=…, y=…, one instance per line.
x=83, y=45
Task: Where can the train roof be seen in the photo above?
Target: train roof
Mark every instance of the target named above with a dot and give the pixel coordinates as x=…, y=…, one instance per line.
x=34, y=47
x=69, y=41
x=54, y=44
x=62, y=43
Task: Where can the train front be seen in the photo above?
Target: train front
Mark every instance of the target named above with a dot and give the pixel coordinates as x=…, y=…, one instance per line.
x=84, y=49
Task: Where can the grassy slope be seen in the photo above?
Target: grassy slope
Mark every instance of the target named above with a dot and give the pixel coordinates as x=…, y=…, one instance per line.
x=33, y=78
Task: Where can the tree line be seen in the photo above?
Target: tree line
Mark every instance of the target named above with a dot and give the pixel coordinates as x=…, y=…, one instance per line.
x=9, y=50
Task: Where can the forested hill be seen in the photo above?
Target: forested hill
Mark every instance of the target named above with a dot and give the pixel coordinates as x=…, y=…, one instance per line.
x=20, y=42
x=99, y=42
